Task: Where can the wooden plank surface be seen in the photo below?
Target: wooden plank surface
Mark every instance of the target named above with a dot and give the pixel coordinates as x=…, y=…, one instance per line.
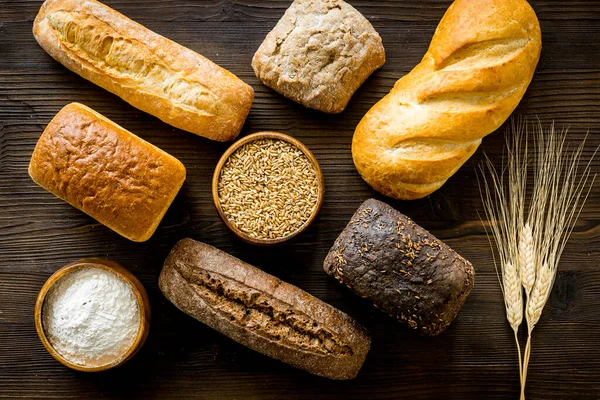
x=474, y=359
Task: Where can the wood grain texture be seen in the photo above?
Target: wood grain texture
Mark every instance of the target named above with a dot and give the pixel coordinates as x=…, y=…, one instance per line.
x=474, y=359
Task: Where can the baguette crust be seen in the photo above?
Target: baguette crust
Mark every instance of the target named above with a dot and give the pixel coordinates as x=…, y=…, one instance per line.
x=262, y=312
x=479, y=64
x=383, y=256
x=106, y=171
x=148, y=71
x=319, y=54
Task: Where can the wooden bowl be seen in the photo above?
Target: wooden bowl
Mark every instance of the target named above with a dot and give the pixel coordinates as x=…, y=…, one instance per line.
x=236, y=146
x=138, y=291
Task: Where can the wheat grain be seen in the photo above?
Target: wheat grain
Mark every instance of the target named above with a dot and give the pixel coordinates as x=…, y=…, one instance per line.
x=268, y=188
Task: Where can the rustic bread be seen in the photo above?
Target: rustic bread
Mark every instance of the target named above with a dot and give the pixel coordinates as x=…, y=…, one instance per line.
x=404, y=270
x=105, y=171
x=148, y=71
x=319, y=54
x=261, y=312
x=479, y=64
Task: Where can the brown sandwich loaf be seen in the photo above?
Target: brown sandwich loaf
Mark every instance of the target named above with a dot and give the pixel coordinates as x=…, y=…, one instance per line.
x=319, y=54
x=148, y=71
x=405, y=271
x=480, y=62
x=106, y=171
x=262, y=312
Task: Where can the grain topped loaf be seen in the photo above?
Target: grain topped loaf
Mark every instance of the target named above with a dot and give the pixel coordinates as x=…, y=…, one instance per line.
x=106, y=171
x=319, y=54
x=383, y=256
x=145, y=69
x=262, y=312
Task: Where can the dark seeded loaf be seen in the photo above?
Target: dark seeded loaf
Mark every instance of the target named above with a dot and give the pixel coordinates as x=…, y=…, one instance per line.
x=383, y=256
x=262, y=312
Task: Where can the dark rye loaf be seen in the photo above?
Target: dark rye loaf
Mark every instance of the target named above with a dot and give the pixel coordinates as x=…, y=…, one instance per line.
x=262, y=312
x=383, y=256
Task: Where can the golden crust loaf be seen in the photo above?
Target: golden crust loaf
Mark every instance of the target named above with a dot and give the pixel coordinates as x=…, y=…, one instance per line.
x=148, y=71
x=106, y=171
x=319, y=54
x=479, y=64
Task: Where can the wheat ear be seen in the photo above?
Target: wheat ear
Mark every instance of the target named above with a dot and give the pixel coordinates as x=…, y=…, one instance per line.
x=513, y=296
x=526, y=259
x=539, y=295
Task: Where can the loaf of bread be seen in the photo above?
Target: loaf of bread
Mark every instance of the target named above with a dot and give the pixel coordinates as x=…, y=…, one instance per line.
x=478, y=67
x=404, y=270
x=261, y=312
x=105, y=171
x=148, y=71
x=319, y=54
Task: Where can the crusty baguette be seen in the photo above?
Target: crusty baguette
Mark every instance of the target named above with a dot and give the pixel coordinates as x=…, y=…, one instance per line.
x=261, y=312
x=478, y=67
x=148, y=71
x=383, y=256
x=106, y=171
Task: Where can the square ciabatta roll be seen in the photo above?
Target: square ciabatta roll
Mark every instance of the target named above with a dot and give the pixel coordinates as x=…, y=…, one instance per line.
x=319, y=54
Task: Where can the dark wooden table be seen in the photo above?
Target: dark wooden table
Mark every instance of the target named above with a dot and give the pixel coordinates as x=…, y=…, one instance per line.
x=474, y=359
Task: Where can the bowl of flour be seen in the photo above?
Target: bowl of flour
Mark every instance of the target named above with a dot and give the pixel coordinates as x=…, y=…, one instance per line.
x=92, y=315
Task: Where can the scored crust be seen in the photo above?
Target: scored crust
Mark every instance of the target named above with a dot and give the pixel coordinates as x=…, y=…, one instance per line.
x=480, y=62
x=319, y=54
x=262, y=312
x=147, y=70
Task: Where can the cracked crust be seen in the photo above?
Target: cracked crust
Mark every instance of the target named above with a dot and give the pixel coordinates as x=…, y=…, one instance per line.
x=319, y=54
x=262, y=312
x=404, y=270
x=106, y=171
x=480, y=62
x=150, y=72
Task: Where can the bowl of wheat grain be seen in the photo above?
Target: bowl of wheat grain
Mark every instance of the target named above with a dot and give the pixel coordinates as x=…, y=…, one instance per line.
x=268, y=188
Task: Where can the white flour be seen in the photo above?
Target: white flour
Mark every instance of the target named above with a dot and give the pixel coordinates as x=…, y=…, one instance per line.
x=91, y=316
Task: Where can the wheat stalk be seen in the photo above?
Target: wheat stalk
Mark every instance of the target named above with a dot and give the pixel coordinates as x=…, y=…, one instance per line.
x=504, y=205
x=530, y=244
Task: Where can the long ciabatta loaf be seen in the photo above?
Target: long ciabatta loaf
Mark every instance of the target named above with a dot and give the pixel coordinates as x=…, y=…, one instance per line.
x=480, y=62
x=262, y=312
x=148, y=71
